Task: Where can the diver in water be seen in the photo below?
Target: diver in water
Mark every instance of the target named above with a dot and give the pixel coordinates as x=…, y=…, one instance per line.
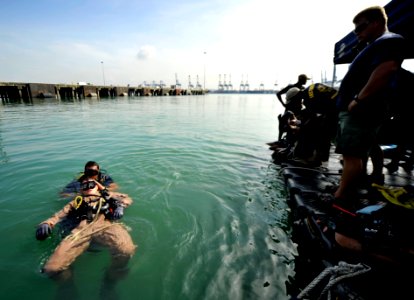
x=91, y=170
x=94, y=211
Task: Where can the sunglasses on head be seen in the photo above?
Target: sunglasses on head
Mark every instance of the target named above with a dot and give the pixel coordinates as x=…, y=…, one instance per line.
x=91, y=172
x=88, y=185
x=361, y=27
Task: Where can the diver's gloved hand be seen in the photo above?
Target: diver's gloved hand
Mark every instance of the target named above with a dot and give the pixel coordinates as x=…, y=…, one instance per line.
x=105, y=194
x=118, y=213
x=43, y=231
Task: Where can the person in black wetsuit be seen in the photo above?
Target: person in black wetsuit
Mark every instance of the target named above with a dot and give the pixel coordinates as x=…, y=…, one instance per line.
x=319, y=119
x=91, y=170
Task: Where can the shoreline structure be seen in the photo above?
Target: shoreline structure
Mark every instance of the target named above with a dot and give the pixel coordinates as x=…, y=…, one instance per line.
x=26, y=92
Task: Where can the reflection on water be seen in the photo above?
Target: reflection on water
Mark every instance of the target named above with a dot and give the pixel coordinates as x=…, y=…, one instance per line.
x=3, y=154
x=209, y=213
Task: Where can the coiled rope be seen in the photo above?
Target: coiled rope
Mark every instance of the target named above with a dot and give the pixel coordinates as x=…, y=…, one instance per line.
x=337, y=273
x=76, y=236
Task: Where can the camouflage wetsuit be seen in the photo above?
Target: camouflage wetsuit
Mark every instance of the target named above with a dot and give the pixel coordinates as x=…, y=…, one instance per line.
x=95, y=225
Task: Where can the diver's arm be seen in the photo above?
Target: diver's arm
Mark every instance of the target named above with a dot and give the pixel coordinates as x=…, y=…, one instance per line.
x=44, y=229
x=122, y=199
x=112, y=186
x=60, y=215
x=279, y=96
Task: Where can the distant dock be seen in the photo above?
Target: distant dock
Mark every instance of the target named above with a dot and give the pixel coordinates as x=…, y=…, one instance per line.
x=17, y=91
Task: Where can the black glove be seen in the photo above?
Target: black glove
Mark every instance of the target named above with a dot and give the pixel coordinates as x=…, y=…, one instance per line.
x=43, y=231
x=118, y=213
x=105, y=194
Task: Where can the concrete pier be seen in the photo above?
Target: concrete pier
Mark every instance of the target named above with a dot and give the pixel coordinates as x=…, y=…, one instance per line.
x=18, y=91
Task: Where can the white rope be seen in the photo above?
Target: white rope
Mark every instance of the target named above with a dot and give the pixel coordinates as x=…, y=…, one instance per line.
x=337, y=273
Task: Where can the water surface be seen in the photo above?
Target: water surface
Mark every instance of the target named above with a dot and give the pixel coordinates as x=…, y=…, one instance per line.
x=209, y=214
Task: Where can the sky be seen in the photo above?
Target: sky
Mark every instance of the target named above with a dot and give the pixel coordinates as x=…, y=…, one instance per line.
x=121, y=42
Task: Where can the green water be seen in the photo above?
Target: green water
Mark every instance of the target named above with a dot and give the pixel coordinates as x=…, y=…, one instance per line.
x=209, y=214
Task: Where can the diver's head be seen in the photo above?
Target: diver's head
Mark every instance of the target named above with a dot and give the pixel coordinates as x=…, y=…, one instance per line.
x=89, y=187
x=91, y=169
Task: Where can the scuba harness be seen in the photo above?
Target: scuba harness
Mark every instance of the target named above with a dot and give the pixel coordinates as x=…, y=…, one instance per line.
x=89, y=207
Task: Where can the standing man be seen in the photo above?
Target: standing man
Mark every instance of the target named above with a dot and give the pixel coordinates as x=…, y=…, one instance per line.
x=363, y=95
x=302, y=79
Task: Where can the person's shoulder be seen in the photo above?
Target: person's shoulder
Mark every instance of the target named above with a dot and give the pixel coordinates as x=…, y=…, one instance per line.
x=390, y=38
x=391, y=35
x=394, y=46
x=323, y=88
x=73, y=186
x=105, y=178
x=286, y=88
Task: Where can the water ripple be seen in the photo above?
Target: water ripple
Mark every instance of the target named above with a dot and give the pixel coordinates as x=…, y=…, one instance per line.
x=209, y=215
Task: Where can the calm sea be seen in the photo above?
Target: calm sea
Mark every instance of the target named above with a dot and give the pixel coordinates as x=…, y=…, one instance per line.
x=209, y=214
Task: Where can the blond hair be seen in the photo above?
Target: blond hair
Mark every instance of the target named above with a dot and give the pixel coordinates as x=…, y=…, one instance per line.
x=373, y=13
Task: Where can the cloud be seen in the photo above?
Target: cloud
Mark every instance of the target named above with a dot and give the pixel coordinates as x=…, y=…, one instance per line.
x=146, y=52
